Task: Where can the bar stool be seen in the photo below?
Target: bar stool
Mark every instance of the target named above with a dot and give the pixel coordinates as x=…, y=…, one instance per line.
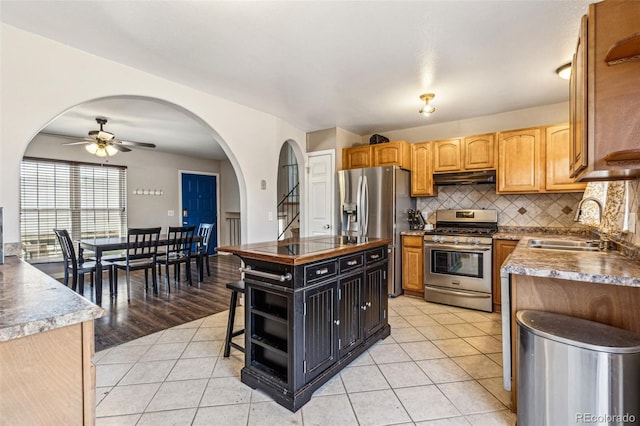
x=235, y=287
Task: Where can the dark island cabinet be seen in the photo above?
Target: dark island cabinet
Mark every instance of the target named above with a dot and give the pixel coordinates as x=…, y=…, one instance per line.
x=304, y=323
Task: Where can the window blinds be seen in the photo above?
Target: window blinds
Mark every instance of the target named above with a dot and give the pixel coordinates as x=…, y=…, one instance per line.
x=88, y=200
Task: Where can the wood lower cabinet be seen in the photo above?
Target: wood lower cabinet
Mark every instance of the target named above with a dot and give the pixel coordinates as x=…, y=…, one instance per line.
x=300, y=332
x=412, y=265
x=48, y=377
x=422, y=170
x=501, y=250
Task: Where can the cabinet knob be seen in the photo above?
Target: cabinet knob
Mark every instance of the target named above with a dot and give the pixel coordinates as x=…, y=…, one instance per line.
x=364, y=307
x=337, y=322
x=368, y=304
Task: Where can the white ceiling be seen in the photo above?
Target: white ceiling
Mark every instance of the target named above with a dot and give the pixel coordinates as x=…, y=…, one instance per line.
x=356, y=65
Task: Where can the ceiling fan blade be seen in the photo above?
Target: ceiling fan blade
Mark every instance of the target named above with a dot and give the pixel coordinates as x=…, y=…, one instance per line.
x=77, y=143
x=141, y=144
x=120, y=147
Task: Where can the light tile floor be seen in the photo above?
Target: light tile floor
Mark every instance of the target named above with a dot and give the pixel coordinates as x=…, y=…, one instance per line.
x=440, y=366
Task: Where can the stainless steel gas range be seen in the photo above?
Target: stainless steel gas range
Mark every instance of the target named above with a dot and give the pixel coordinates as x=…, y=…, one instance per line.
x=458, y=258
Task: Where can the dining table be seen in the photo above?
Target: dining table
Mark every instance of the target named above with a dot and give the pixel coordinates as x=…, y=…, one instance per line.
x=102, y=245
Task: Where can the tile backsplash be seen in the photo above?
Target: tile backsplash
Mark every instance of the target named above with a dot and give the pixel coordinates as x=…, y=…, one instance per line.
x=538, y=210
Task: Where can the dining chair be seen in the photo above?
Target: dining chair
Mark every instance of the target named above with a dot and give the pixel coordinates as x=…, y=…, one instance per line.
x=141, y=254
x=76, y=267
x=177, y=252
x=201, y=252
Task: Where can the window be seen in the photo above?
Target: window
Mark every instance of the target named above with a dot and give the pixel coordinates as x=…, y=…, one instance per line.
x=88, y=200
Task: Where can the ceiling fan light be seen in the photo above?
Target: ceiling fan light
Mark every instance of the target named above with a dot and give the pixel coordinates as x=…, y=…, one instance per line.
x=92, y=148
x=111, y=150
x=101, y=152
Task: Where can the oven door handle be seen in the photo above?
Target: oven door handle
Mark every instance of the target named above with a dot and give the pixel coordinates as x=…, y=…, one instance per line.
x=458, y=247
x=460, y=293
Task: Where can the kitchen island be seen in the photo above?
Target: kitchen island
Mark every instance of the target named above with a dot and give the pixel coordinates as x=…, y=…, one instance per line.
x=46, y=346
x=601, y=286
x=312, y=305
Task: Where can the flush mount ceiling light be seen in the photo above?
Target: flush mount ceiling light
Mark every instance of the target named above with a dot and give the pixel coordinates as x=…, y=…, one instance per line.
x=564, y=71
x=427, y=108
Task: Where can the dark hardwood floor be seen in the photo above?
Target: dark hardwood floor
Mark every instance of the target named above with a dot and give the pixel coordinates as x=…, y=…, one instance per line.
x=147, y=313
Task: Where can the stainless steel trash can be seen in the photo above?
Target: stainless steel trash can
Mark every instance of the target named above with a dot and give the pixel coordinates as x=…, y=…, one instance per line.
x=574, y=371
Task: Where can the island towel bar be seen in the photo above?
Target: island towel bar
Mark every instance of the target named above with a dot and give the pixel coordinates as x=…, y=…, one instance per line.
x=285, y=277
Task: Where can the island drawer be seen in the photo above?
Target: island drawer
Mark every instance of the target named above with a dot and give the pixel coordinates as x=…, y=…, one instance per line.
x=320, y=271
x=376, y=255
x=349, y=263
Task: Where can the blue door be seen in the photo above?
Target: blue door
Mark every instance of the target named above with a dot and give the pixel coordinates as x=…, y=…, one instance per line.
x=199, y=203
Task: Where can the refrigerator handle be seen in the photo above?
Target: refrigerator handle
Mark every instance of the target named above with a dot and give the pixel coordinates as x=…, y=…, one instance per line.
x=359, y=211
x=365, y=207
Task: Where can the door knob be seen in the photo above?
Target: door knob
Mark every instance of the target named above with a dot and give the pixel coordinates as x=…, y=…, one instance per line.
x=326, y=226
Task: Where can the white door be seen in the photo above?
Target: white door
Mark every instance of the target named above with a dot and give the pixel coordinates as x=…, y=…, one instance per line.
x=321, y=193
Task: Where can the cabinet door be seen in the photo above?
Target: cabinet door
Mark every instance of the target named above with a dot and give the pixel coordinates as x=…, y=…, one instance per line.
x=519, y=161
x=501, y=250
x=447, y=156
x=375, y=294
x=356, y=157
x=557, y=141
x=479, y=152
x=412, y=260
x=421, y=170
x=396, y=153
x=578, y=105
x=320, y=340
x=350, y=325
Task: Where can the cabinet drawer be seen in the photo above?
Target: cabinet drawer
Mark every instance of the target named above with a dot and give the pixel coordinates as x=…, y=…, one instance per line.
x=376, y=255
x=320, y=271
x=351, y=262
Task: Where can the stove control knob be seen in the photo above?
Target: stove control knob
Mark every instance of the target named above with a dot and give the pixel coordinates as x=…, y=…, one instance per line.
x=470, y=240
x=477, y=241
x=456, y=240
x=435, y=238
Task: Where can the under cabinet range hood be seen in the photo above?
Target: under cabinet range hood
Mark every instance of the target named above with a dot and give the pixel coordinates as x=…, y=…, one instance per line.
x=465, y=178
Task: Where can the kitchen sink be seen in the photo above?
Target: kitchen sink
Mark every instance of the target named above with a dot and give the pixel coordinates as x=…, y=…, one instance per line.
x=571, y=245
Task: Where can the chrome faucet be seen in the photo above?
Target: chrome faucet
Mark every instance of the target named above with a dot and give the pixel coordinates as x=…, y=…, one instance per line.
x=579, y=211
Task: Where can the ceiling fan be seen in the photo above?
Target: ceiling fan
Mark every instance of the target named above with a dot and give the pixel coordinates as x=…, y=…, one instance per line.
x=104, y=144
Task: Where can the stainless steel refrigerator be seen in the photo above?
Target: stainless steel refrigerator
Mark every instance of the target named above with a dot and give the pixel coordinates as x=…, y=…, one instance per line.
x=373, y=202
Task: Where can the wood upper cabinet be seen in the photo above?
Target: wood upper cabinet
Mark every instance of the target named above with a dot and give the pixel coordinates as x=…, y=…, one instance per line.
x=471, y=153
x=501, y=250
x=479, y=152
x=578, y=105
x=412, y=265
x=396, y=153
x=421, y=170
x=557, y=148
x=520, y=162
x=357, y=157
x=447, y=156
x=611, y=94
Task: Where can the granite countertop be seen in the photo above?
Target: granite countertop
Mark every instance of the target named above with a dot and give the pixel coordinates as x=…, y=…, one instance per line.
x=604, y=267
x=32, y=302
x=297, y=251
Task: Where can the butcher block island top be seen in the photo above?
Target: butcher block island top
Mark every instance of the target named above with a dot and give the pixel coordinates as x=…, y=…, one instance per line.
x=298, y=251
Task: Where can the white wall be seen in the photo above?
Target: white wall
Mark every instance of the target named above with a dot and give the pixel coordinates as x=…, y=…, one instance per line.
x=539, y=116
x=229, y=198
x=146, y=169
x=41, y=79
